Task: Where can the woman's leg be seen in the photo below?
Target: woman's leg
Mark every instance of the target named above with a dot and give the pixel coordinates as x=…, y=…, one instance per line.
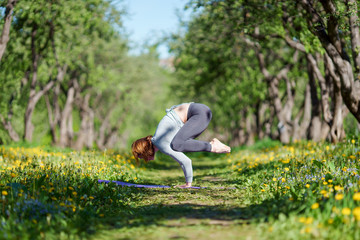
x=199, y=116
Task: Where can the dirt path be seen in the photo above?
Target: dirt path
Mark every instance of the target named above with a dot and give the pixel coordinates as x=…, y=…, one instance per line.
x=216, y=212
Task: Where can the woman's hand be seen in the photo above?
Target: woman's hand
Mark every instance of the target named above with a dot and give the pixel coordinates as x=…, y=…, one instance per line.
x=187, y=185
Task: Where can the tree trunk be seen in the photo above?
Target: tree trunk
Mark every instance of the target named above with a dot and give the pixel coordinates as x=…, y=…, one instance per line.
x=355, y=35
x=315, y=125
x=8, y=126
x=260, y=119
x=64, y=138
x=336, y=128
x=86, y=132
x=5, y=35
x=250, y=129
x=301, y=130
x=330, y=42
x=34, y=96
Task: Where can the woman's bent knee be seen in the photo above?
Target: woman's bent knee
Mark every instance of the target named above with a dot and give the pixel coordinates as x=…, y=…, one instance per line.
x=177, y=146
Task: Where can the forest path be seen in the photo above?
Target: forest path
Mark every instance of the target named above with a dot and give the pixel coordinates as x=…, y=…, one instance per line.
x=215, y=212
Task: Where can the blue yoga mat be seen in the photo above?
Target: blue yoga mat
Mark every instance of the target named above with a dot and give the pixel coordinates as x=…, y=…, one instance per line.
x=147, y=186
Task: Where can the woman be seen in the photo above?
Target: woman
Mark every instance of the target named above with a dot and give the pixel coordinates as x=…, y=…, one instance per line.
x=176, y=134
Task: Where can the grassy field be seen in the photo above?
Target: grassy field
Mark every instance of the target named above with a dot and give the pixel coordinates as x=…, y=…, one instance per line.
x=268, y=191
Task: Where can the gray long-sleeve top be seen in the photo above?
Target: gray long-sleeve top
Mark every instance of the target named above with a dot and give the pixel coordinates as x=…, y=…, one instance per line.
x=169, y=125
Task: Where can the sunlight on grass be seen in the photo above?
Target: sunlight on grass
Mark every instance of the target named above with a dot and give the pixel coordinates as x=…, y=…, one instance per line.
x=304, y=190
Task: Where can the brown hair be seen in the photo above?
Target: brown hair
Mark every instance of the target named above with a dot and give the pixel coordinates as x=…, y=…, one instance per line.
x=143, y=148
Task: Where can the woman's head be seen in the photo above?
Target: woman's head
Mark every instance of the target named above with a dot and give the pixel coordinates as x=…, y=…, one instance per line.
x=143, y=148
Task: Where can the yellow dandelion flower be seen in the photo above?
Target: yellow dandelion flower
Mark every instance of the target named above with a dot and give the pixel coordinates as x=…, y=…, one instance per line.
x=323, y=192
x=5, y=193
x=356, y=197
x=339, y=196
x=315, y=206
x=307, y=185
x=330, y=221
x=274, y=179
x=286, y=169
x=74, y=193
x=356, y=212
x=338, y=188
x=282, y=179
x=309, y=220
x=346, y=211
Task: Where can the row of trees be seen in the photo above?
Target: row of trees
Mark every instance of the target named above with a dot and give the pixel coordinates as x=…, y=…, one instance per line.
x=66, y=73
x=284, y=69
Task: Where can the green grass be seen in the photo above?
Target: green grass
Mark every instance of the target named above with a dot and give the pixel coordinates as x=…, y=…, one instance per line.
x=302, y=191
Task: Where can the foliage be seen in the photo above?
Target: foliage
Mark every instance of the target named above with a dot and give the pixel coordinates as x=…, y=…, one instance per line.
x=58, y=192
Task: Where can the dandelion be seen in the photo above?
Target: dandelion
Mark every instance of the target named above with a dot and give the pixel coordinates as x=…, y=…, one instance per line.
x=352, y=141
x=286, y=169
x=323, y=192
x=315, y=206
x=330, y=221
x=4, y=193
x=338, y=188
x=356, y=197
x=356, y=213
x=309, y=220
x=346, y=211
x=307, y=185
x=339, y=196
x=274, y=179
x=282, y=179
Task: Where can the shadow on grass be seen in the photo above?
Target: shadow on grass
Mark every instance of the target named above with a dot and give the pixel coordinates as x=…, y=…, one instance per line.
x=187, y=213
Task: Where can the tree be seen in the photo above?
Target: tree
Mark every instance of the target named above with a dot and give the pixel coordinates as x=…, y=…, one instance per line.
x=5, y=34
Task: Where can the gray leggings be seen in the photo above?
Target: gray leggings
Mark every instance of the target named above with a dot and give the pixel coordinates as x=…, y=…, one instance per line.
x=198, y=118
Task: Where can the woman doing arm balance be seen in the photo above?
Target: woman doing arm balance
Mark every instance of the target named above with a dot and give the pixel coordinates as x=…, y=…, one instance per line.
x=176, y=134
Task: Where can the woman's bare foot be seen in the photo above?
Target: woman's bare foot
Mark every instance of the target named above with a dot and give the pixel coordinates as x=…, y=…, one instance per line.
x=187, y=185
x=219, y=147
